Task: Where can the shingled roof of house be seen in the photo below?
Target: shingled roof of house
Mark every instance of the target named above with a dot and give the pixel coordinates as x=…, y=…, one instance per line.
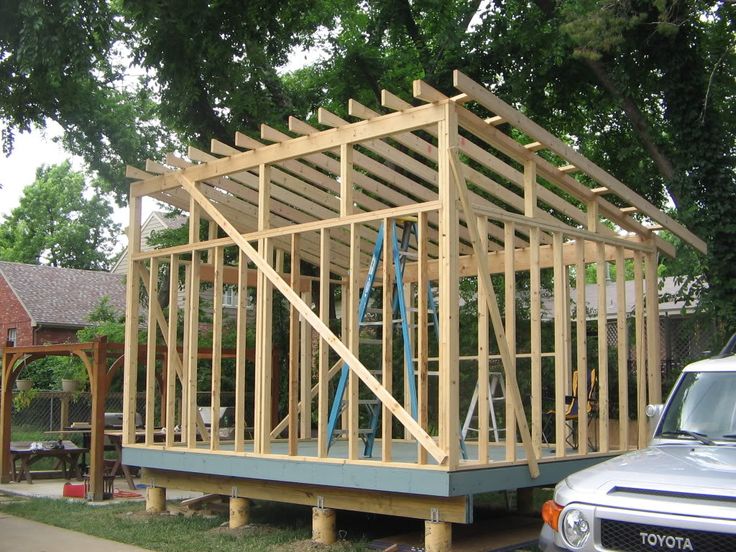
x=55, y=296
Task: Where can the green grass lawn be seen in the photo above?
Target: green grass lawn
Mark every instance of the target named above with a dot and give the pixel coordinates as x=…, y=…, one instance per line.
x=273, y=526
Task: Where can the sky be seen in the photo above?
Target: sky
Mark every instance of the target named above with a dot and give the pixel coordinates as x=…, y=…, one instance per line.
x=40, y=147
x=43, y=147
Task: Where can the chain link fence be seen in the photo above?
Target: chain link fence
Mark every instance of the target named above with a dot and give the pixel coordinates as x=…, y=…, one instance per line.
x=54, y=410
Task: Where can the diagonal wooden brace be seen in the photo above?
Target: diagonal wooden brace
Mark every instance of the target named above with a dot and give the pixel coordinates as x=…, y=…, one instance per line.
x=176, y=359
x=324, y=332
x=486, y=287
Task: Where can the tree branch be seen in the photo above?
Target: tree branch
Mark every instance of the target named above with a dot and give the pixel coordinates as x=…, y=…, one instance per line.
x=638, y=121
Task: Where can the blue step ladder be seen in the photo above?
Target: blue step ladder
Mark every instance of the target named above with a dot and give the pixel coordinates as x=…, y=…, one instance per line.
x=400, y=252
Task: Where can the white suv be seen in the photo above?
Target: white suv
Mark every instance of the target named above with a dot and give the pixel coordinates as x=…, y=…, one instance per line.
x=679, y=494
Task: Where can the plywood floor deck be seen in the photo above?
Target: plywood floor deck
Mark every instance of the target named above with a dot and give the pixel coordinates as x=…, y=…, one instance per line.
x=401, y=476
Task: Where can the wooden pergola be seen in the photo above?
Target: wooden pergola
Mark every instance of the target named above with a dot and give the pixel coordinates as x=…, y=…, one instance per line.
x=510, y=209
x=95, y=356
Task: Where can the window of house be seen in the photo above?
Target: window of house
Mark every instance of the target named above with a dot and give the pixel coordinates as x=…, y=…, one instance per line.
x=229, y=297
x=12, y=336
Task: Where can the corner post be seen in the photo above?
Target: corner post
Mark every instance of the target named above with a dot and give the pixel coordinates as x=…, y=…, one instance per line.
x=7, y=397
x=449, y=430
x=98, y=383
x=130, y=370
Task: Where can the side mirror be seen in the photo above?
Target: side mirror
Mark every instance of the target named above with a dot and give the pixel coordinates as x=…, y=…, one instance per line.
x=654, y=413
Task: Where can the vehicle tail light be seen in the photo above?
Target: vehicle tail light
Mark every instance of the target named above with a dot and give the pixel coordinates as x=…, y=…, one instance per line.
x=551, y=513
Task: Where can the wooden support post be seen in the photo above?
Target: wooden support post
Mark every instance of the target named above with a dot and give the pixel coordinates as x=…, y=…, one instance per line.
x=152, y=342
x=535, y=299
x=437, y=536
x=184, y=404
x=241, y=345
x=623, y=350
x=512, y=386
x=344, y=324
x=172, y=354
x=130, y=370
x=449, y=405
x=239, y=512
x=218, y=265
x=601, y=273
x=99, y=385
x=305, y=378
x=483, y=356
x=319, y=325
x=324, y=350
x=654, y=370
x=5, y=417
x=422, y=330
x=353, y=343
x=581, y=341
x=192, y=359
x=410, y=324
x=387, y=339
x=294, y=355
x=560, y=278
x=641, y=368
x=155, y=500
x=510, y=308
x=323, y=526
x=64, y=412
x=264, y=330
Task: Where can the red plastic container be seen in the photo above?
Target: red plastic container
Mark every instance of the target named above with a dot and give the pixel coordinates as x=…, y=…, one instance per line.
x=74, y=490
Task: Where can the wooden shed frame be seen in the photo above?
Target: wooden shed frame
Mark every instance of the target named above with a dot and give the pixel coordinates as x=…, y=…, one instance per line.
x=486, y=203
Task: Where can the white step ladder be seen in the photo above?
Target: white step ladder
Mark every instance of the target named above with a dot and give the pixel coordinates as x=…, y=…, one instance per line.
x=495, y=385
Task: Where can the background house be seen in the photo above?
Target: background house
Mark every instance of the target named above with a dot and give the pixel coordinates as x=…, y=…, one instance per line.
x=44, y=304
x=156, y=221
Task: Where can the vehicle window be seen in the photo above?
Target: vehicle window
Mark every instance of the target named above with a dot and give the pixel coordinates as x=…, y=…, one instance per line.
x=704, y=402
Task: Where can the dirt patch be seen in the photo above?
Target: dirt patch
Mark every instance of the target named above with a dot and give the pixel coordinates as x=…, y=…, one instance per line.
x=250, y=530
x=310, y=546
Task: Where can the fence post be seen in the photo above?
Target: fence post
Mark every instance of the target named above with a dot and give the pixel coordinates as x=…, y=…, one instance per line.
x=64, y=413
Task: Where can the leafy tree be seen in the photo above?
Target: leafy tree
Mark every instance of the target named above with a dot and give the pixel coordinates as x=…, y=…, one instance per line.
x=55, y=224
x=643, y=88
x=66, y=61
x=104, y=321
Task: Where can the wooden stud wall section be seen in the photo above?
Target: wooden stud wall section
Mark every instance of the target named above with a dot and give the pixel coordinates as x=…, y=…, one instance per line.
x=322, y=196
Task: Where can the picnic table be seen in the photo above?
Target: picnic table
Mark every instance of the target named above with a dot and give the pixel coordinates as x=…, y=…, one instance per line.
x=65, y=452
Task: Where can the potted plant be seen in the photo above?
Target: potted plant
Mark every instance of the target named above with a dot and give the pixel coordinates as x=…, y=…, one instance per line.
x=23, y=384
x=24, y=398
x=71, y=372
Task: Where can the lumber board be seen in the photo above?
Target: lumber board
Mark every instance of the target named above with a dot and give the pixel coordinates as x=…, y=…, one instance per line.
x=560, y=308
x=520, y=121
x=653, y=350
x=418, y=117
x=240, y=358
x=323, y=377
x=294, y=352
x=581, y=343
x=622, y=351
x=510, y=315
x=150, y=408
x=483, y=345
x=640, y=351
x=427, y=149
x=449, y=509
x=601, y=270
x=449, y=393
x=132, y=290
x=172, y=352
x=387, y=338
x=218, y=259
x=512, y=387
